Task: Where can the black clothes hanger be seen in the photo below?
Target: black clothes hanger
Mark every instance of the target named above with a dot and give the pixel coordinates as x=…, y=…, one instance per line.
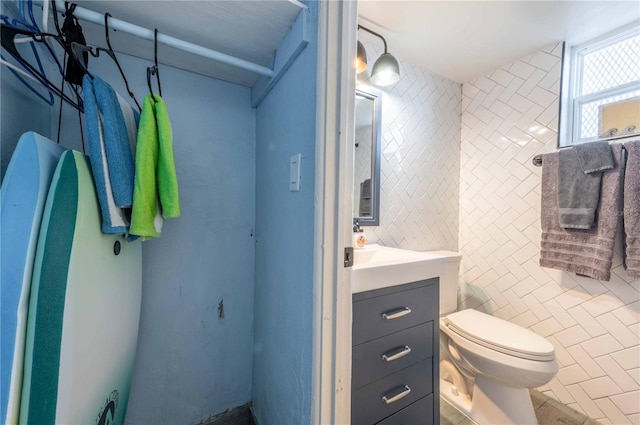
x=80, y=52
x=72, y=33
x=115, y=59
x=154, y=70
x=7, y=37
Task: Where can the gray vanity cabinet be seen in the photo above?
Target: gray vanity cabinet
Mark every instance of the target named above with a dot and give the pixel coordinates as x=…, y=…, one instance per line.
x=395, y=361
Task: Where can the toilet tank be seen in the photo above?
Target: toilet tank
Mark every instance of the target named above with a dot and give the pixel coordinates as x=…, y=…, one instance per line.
x=449, y=281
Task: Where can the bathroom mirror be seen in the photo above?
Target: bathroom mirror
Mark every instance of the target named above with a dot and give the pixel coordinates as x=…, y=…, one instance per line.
x=366, y=170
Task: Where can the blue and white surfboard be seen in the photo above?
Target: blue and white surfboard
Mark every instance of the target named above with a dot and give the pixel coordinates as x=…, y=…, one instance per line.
x=84, y=312
x=22, y=200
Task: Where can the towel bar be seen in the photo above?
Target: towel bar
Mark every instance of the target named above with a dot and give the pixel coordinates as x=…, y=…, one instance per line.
x=537, y=160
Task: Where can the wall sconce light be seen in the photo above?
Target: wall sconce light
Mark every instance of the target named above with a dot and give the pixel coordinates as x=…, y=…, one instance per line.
x=361, y=59
x=385, y=71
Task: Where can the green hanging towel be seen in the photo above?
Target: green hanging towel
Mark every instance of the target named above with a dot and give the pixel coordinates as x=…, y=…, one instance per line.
x=167, y=181
x=155, y=192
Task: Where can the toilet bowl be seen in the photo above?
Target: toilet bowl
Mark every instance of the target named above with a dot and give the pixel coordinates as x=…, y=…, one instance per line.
x=505, y=360
x=488, y=364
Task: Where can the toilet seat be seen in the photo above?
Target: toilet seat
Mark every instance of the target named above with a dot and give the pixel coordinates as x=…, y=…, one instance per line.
x=500, y=335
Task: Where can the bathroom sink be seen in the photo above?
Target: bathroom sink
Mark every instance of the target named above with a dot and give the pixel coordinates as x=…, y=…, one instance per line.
x=377, y=266
x=377, y=254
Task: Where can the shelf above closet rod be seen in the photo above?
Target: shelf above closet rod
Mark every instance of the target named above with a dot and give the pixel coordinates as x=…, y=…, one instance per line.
x=148, y=34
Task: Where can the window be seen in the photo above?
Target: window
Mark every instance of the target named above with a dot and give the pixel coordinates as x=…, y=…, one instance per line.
x=599, y=75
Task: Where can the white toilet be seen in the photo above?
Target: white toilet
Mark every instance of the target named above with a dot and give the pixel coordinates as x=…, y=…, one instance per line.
x=488, y=364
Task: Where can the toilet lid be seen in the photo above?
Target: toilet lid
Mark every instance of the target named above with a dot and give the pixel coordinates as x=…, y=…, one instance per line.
x=500, y=335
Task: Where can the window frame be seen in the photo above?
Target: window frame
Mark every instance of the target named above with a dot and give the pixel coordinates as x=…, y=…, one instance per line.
x=570, y=118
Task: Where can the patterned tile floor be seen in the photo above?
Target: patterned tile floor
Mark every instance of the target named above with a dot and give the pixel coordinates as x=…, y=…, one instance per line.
x=548, y=412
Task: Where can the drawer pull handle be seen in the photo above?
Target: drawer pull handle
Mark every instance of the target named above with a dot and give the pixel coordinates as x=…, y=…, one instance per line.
x=405, y=392
x=397, y=355
x=395, y=314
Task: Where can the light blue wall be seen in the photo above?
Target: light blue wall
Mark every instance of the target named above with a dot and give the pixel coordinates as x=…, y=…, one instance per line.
x=20, y=111
x=285, y=125
x=232, y=164
x=190, y=363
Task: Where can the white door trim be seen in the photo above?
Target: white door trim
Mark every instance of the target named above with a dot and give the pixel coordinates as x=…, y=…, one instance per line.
x=331, y=380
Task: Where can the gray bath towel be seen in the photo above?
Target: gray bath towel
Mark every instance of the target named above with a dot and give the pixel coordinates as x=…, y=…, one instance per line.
x=579, y=177
x=587, y=252
x=631, y=208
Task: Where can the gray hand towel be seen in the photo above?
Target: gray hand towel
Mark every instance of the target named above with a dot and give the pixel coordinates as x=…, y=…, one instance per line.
x=579, y=176
x=594, y=157
x=631, y=210
x=588, y=252
x=365, y=188
x=365, y=198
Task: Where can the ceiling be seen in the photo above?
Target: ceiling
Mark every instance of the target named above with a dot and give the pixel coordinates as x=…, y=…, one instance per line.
x=461, y=40
x=249, y=30
x=457, y=39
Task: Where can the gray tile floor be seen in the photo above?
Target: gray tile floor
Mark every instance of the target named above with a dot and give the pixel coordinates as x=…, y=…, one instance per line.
x=449, y=415
x=548, y=412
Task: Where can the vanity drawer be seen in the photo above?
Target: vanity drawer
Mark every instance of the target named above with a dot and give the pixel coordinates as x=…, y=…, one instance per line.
x=418, y=413
x=401, y=310
x=368, y=406
x=402, y=349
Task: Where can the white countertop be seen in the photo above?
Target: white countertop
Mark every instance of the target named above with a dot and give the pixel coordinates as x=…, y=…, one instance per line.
x=377, y=266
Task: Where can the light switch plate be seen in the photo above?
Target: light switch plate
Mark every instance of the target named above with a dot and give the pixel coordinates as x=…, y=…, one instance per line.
x=294, y=172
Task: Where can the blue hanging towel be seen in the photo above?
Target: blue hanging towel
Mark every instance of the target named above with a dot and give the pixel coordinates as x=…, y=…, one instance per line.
x=111, y=127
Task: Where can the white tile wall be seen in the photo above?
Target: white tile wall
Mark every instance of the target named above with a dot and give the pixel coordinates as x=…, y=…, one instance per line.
x=508, y=116
x=420, y=159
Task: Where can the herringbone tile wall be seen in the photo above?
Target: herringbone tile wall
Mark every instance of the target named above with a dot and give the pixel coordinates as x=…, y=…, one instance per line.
x=508, y=116
x=420, y=159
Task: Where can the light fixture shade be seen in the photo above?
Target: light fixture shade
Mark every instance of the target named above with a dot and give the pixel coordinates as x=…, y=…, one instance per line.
x=361, y=59
x=385, y=71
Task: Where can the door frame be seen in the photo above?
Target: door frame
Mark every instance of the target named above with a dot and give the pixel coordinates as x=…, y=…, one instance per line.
x=331, y=376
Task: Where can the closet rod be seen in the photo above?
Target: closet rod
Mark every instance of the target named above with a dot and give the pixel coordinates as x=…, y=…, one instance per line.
x=148, y=34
